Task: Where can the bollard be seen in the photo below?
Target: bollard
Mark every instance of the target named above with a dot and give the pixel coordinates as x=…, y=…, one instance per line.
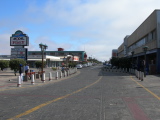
x=32, y=79
x=21, y=77
x=43, y=77
x=142, y=76
x=139, y=75
x=56, y=75
x=19, y=81
x=75, y=70
x=64, y=73
x=50, y=76
x=61, y=74
x=67, y=73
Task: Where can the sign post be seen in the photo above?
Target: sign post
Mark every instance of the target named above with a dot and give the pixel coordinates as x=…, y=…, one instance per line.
x=19, y=40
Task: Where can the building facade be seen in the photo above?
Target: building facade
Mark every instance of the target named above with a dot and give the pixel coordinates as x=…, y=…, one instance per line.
x=57, y=58
x=147, y=35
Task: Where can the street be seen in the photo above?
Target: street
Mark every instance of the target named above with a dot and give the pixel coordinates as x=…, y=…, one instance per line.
x=93, y=94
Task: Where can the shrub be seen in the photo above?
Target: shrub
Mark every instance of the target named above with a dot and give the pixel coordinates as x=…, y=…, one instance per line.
x=54, y=68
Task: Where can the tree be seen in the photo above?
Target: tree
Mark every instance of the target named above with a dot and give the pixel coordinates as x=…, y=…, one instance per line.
x=114, y=61
x=123, y=62
x=39, y=64
x=4, y=64
x=15, y=63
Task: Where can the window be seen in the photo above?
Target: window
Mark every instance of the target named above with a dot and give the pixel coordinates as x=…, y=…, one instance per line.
x=153, y=34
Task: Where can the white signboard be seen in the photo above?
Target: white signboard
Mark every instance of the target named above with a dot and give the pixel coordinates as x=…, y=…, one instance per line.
x=19, y=39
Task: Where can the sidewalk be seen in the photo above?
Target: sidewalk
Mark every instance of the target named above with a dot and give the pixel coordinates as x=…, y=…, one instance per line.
x=150, y=83
x=8, y=80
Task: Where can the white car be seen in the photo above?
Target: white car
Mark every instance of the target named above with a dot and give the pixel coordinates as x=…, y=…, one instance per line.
x=79, y=66
x=85, y=65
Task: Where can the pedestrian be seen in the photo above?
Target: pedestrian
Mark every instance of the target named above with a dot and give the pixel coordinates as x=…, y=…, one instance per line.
x=26, y=69
x=21, y=72
x=20, y=69
x=62, y=69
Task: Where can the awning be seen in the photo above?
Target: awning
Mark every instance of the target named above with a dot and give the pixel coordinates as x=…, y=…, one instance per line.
x=35, y=59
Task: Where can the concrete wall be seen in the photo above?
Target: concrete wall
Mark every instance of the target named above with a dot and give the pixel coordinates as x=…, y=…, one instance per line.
x=146, y=27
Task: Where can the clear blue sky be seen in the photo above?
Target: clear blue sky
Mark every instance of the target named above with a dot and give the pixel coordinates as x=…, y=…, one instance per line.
x=95, y=26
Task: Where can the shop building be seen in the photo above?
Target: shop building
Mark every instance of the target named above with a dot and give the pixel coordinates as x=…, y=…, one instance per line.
x=147, y=35
x=57, y=58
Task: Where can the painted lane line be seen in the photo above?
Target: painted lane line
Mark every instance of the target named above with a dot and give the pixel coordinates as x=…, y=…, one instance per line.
x=54, y=100
x=156, y=96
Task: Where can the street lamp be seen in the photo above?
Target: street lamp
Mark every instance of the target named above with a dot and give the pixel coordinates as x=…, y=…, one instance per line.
x=68, y=57
x=145, y=48
x=132, y=57
x=43, y=48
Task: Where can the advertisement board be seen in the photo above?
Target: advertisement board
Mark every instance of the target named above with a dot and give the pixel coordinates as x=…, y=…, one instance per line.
x=19, y=53
x=75, y=58
x=19, y=39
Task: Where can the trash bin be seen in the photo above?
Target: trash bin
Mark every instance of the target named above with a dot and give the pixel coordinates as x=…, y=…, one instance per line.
x=25, y=78
x=37, y=76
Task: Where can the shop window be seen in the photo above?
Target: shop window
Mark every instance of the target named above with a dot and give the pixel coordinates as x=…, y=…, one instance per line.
x=52, y=53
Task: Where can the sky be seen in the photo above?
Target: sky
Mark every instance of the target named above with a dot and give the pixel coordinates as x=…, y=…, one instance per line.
x=94, y=26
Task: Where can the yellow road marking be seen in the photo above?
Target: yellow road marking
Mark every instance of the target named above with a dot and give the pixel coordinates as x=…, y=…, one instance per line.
x=49, y=102
x=156, y=96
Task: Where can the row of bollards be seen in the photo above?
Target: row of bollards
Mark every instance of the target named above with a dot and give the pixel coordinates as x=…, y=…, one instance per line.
x=64, y=74
x=138, y=74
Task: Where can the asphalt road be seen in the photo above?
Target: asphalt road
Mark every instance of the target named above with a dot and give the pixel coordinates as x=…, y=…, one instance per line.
x=91, y=95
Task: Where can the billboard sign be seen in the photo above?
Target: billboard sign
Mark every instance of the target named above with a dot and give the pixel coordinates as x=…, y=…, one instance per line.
x=19, y=39
x=19, y=53
x=75, y=58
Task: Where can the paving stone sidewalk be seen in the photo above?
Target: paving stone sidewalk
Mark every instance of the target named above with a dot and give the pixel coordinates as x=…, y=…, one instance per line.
x=8, y=80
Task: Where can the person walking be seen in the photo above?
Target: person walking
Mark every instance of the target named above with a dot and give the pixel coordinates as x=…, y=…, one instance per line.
x=20, y=69
x=26, y=69
x=21, y=72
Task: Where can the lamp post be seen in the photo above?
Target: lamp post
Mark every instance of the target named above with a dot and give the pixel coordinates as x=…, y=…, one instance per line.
x=145, y=48
x=43, y=48
x=68, y=57
x=132, y=57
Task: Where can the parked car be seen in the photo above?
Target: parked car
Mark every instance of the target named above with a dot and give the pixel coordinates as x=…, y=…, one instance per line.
x=79, y=66
x=85, y=65
x=108, y=66
x=114, y=67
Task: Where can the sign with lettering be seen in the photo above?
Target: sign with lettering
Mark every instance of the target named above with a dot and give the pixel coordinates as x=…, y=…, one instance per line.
x=19, y=53
x=75, y=58
x=19, y=39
